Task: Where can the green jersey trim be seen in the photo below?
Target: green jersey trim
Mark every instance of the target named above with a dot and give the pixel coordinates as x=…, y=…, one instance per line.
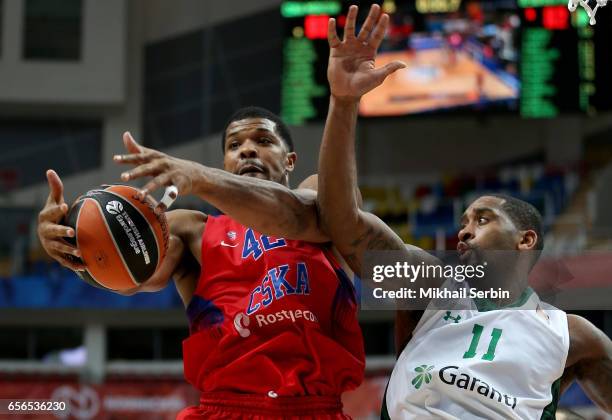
x=549, y=412
x=485, y=305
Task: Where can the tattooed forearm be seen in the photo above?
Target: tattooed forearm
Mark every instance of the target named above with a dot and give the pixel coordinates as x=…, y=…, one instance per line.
x=374, y=235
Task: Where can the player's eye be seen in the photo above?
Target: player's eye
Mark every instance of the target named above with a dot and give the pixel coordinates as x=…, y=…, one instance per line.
x=264, y=140
x=482, y=220
x=233, y=145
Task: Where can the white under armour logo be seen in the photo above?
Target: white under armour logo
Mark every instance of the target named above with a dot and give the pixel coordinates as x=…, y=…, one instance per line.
x=114, y=207
x=232, y=235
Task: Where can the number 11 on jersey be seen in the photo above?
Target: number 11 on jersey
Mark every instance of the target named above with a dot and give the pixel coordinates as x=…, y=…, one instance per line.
x=476, y=333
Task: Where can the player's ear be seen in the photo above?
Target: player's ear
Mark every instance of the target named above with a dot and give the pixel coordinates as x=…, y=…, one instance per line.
x=290, y=161
x=529, y=239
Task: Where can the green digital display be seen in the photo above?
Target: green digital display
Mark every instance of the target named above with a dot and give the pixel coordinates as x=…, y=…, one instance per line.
x=586, y=60
x=300, y=85
x=540, y=3
x=291, y=9
x=537, y=74
x=564, y=60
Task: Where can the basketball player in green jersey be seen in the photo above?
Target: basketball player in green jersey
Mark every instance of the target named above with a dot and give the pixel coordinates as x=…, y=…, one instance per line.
x=473, y=363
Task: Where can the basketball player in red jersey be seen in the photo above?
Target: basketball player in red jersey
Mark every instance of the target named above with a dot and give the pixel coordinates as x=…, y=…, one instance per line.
x=273, y=321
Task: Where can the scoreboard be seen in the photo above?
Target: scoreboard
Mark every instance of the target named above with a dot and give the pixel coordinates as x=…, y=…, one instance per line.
x=565, y=62
x=305, y=92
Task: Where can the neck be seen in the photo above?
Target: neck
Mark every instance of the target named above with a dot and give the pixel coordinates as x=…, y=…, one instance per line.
x=514, y=283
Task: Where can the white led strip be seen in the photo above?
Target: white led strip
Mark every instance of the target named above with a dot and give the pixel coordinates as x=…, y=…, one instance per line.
x=573, y=4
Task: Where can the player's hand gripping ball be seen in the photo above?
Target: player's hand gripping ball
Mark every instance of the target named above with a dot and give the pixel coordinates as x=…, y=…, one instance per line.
x=121, y=239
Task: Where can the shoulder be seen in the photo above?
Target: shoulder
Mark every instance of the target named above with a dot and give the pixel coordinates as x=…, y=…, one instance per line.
x=311, y=183
x=186, y=223
x=307, y=190
x=310, y=186
x=586, y=340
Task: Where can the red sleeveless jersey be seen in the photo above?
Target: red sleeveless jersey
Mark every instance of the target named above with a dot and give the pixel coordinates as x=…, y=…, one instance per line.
x=271, y=316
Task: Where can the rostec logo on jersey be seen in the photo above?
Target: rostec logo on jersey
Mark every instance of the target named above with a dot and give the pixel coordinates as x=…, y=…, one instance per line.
x=242, y=321
x=114, y=207
x=279, y=282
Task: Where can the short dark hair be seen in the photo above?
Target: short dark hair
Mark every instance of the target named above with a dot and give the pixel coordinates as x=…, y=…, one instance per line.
x=258, y=112
x=524, y=215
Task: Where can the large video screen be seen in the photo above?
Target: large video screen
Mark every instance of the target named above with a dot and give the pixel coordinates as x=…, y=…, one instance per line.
x=462, y=58
x=525, y=57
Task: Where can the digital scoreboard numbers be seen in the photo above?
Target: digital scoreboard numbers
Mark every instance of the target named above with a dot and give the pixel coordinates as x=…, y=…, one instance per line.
x=305, y=92
x=565, y=62
x=548, y=69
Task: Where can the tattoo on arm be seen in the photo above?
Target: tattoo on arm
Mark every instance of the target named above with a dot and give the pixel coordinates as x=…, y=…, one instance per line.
x=375, y=237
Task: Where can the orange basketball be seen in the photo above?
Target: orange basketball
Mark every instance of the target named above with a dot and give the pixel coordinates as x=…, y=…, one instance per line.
x=121, y=239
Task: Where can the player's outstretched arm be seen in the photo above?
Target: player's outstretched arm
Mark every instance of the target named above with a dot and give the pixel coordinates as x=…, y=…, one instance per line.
x=589, y=361
x=266, y=206
x=351, y=73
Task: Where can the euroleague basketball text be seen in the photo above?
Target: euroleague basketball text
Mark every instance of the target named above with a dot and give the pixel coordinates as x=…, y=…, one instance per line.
x=134, y=236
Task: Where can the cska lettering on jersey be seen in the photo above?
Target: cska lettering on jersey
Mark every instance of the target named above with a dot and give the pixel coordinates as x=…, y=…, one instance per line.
x=279, y=282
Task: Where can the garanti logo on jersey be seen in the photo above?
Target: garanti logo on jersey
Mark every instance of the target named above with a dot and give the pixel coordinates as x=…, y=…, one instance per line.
x=450, y=375
x=423, y=375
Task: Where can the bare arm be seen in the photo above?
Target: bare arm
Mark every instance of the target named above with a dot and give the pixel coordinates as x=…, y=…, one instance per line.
x=351, y=73
x=266, y=206
x=352, y=230
x=589, y=361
